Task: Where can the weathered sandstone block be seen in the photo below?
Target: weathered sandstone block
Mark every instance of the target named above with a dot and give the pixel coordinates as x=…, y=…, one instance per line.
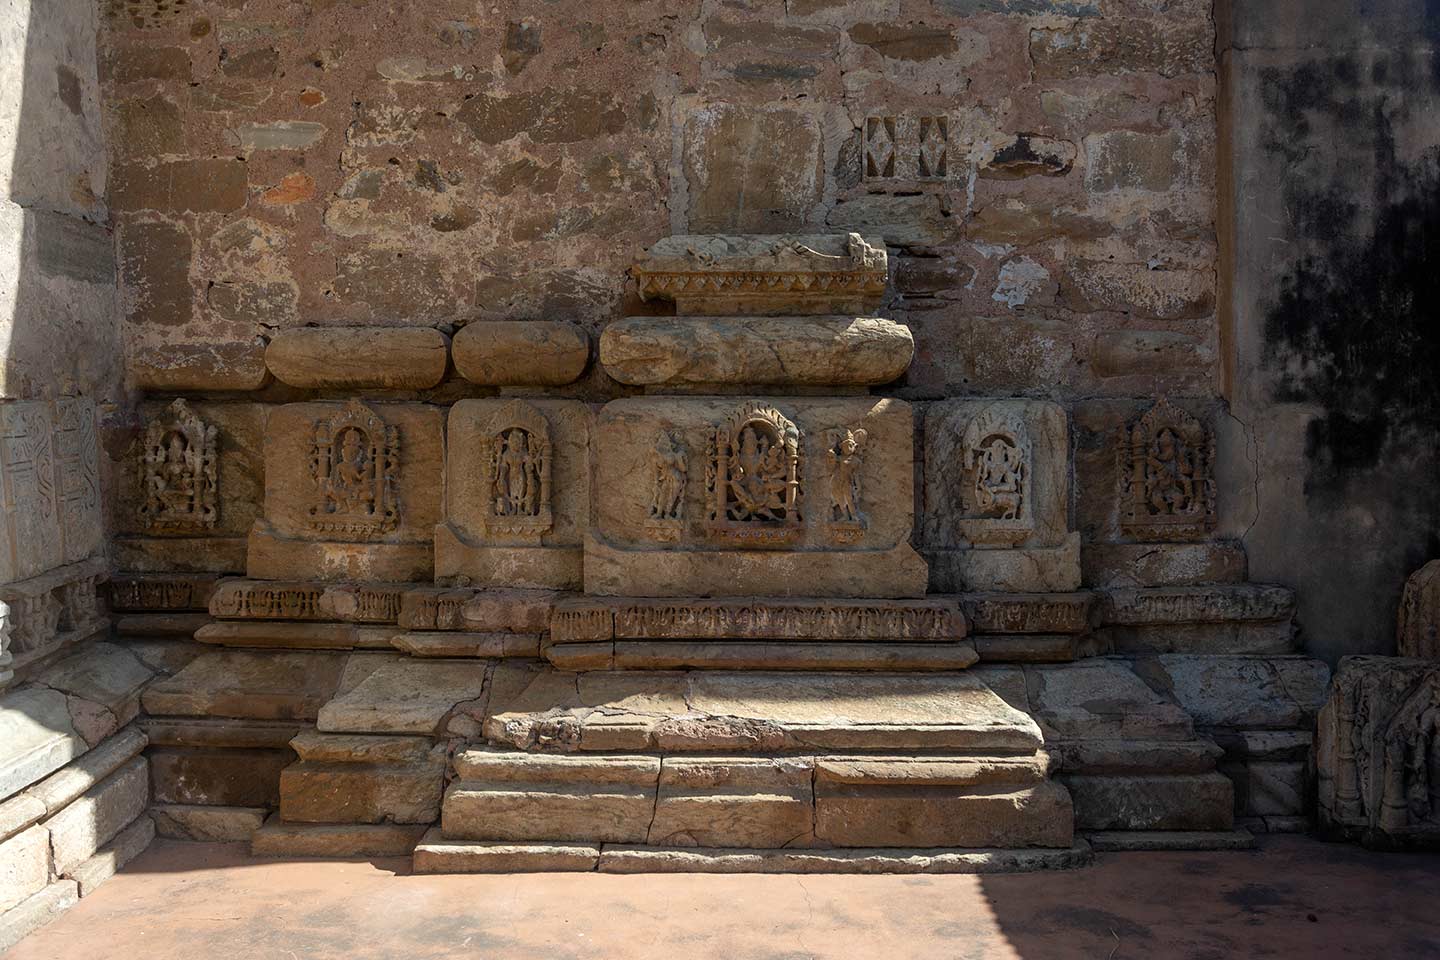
x=199, y=368
x=176, y=821
x=505, y=353
x=24, y=866
x=352, y=492
x=403, y=695
x=91, y=821
x=396, y=358
x=849, y=815
x=37, y=737
x=126, y=845
x=38, y=910
x=278, y=839
x=1376, y=756
x=1162, y=564
x=745, y=802
x=1065, y=613
x=765, y=275
x=517, y=493
x=217, y=777
x=693, y=526
x=691, y=351
x=1417, y=632
x=756, y=618
x=1189, y=802
x=267, y=685
x=313, y=792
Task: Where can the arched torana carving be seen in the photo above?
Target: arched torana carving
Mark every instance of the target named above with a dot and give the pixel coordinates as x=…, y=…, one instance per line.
x=355, y=463
x=178, y=481
x=997, y=467
x=516, y=452
x=754, y=477
x=1168, y=484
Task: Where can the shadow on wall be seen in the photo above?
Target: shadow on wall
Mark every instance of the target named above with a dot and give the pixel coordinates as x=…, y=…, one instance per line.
x=1338, y=150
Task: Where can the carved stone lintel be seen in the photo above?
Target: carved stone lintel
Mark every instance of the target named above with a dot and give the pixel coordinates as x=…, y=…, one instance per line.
x=179, y=478
x=1167, y=476
x=355, y=464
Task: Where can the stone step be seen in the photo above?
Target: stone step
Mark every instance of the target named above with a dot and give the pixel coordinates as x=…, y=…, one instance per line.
x=753, y=712
x=756, y=802
x=724, y=655
x=435, y=854
x=1136, y=841
x=334, y=840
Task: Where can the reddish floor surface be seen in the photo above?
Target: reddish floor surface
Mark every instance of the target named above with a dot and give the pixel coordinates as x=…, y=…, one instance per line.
x=1292, y=898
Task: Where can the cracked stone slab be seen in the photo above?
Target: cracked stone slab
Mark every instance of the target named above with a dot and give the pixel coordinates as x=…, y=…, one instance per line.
x=686, y=712
x=1101, y=699
x=272, y=685
x=1241, y=691
x=37, y=737
x=406, y=696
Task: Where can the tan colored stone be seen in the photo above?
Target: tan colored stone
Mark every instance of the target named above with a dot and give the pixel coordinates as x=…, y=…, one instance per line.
x=395, y=358
x=859, y=816
x=317, y=792
x=690, y=351
x=1018, y=570
x=178, y=591
x=258, y=686
x=504, y=353
x=358, y=748
x=777, y=655
x=1118, y=45
x=432, y=608
x=1149, y=841
x=1033, y=613
x=1252, y=693
x=1417, y=632
x=1026, y=648
x=1188, y=802
x=24, y=866
x=1163, y=564
x=749, y=169
x=178, y=821
x=623, y=859
x=224, y=733
x=509, y=611
x=107, y=861
x=539, y=546
x=277, y=839
x=435, y=854
x=63, y=787
x=457, y=644
x=241, y=599
x=598, y=812
x=151, y=626
x=290, y=636
x=88, y=823
x=405, y=696
x=749, y=802
x=384, y=538
x=19, y=812
x=756, y=618
x=725, y=712
x=1220, y=603
x=37, y=911
x=217, y=777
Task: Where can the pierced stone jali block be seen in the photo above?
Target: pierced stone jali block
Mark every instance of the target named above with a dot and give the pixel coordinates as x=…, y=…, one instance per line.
x=352, y=492
x=517, y=493
x=788, y=497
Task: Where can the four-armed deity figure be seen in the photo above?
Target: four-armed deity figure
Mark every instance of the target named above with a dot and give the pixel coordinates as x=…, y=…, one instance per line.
x=999, y=475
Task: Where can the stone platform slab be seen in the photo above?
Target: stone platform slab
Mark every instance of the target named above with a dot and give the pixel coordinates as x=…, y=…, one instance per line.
x=679, y=712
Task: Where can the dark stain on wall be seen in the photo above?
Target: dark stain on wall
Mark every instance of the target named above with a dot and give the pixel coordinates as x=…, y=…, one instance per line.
x=1354, y=327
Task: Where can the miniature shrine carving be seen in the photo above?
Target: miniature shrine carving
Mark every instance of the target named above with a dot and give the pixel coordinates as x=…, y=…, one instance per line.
x=355, y=464
x=844, y=448
x=516, y=453
x=753, y=476
x=996, y=467
x=179, y=476
x=669, y=470
x=1167, y=476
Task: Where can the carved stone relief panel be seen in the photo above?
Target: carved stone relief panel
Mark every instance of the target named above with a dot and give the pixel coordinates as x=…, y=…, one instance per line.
x=765, y=508
x=179, y=477
x=1378, y=752
x=997, y=478
x=352, y=491
x=753, y=477
x=669, y=471
x=906, y=147
x=1167, y=476
x=517, y=493
x=77, y=462
x=355, y=465
x=515, y=454
x=49, y=611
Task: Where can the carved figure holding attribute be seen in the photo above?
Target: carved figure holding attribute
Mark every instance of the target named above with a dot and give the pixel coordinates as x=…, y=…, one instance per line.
x=516, y=453
x=179, y=472
x=517, y=475
x=1167, y=476
x=754, y=477
x=999, y=475
x=845, y=464
x=669, y=470
x=354, y=463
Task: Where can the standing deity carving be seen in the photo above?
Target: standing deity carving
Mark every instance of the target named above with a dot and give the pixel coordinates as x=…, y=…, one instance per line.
x=516, y=452
x=845, y=452
x=754, y=477
x=996, y=468
x=179, y=488
x=669, y=468
x=354, y=463
x=1168, y=483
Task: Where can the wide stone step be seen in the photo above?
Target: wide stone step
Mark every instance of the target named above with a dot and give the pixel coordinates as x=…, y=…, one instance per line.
x=724, y=655
x=753, y=712
x=756, y=802
x=435, y=854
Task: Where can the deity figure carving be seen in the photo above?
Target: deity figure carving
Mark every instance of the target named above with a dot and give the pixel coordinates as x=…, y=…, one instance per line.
x=844, y=448
x=754, y=477
x=354, y=464
x=669, y=469
x=1168, y=485
x=996, y=465
x=179, y=488
x=516, y=452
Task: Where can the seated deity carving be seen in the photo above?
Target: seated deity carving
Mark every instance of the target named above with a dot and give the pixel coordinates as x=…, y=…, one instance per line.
x=354, y=464
x=996, y=469
x=179, y=472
